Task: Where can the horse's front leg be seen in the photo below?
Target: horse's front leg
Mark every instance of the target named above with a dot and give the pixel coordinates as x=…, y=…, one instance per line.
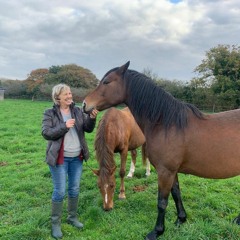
x=122, y=172
x=165, y=183
x=176, y=194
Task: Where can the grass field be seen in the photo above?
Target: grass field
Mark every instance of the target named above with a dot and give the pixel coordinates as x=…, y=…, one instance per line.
x=25, y=192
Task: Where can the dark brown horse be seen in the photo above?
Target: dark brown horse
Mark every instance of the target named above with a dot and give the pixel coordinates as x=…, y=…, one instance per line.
x=179, y=137
x=117, y=132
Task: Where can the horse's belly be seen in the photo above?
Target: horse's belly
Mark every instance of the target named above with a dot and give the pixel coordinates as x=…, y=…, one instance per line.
x=212, y=150
x=212, y=164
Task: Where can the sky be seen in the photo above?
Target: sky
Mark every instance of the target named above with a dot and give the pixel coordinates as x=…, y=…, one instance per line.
x=168, y=37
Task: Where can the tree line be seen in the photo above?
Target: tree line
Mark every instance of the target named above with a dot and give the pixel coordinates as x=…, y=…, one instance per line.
x=216, y=87
x=39, y=83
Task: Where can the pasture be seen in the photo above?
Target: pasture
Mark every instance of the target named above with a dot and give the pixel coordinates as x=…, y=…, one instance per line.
x=25, y=192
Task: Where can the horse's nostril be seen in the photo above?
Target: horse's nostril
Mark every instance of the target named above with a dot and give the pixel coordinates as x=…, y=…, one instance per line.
x=84, y=106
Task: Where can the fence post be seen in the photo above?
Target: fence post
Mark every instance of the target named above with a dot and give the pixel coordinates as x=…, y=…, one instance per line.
x=2, y=93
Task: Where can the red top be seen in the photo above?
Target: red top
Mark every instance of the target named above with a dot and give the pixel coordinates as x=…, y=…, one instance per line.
x=60, y=158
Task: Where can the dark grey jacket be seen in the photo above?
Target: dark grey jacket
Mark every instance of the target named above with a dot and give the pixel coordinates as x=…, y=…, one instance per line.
x=54, y=129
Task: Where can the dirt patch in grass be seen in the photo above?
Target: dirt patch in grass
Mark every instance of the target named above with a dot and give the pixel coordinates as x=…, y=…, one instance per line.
x=2, y=164
x=21, y=163
x=139, y=188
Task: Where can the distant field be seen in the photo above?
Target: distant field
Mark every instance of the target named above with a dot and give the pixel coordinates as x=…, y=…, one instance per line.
x=25, y=192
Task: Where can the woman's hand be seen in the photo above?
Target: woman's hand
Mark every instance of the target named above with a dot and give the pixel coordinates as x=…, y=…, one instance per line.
x=94, y=113
x=70, y=123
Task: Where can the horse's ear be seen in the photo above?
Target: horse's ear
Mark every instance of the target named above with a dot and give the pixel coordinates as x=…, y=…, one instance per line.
x=95, y=172
x=123, y=68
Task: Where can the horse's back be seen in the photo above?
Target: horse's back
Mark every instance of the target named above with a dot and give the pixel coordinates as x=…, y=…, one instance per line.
x=121, y=129
x=118, y=120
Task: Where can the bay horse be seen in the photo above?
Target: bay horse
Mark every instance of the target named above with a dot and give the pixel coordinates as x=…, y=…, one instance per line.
x=117, y=132
x=179, y=137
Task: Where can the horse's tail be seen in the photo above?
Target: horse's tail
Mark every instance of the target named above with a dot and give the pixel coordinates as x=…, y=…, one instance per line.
x=144, y=154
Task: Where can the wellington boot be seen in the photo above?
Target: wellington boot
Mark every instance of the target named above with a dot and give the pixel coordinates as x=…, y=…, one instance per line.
x=72, y=213
x=56, y=219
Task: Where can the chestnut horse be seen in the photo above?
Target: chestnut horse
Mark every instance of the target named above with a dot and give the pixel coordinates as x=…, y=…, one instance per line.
x=117, y=132
x=179, y=138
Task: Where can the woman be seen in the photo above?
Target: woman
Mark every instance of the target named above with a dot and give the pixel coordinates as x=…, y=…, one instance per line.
x=64, y=126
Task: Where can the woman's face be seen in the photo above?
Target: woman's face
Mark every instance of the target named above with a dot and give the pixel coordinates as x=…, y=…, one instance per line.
x=65, y=98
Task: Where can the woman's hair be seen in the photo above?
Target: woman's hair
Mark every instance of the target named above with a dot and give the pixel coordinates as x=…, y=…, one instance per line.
x=57, y=90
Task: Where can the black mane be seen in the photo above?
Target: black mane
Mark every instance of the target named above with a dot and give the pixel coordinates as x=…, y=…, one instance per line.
x=151, y=102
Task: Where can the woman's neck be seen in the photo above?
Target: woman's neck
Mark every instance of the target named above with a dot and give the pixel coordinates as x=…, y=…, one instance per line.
x=65, y=109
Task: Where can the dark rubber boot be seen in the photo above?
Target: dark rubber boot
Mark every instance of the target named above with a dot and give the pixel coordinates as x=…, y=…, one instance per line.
x=72, y=213
x=56, y=219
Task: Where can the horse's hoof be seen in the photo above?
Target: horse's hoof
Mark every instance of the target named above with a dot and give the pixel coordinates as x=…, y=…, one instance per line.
x=121, y=197
x=180, y=221
x=237, y=220
x=153, y=235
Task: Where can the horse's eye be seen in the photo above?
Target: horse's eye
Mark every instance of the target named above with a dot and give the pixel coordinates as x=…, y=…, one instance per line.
x=111, y=185
x=105, y=82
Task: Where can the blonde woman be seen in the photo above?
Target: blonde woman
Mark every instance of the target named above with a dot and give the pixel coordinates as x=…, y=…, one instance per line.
x=64, y=126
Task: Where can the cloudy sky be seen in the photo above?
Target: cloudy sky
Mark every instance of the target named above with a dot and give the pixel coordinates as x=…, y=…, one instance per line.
x=168, y=37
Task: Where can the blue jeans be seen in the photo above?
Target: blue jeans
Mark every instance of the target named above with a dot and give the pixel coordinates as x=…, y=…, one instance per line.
x=70, y=170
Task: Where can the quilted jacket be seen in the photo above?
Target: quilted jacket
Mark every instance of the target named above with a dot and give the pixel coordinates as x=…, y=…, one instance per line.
x=54, y=128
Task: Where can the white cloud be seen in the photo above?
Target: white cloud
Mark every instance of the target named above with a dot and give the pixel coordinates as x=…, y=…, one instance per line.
x=169, y=38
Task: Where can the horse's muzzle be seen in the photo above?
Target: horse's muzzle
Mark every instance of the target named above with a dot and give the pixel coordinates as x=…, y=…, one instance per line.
x=84, y=106
x=107, y=209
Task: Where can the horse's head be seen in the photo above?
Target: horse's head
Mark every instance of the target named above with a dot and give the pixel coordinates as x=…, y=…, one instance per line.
x=107, y=184
x=110, y=91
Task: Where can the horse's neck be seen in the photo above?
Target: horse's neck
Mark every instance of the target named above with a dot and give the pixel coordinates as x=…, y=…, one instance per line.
x=106, y=158
x=140, y=121
x=104, y=154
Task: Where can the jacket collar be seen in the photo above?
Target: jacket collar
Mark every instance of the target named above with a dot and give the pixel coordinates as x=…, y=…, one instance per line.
x=56, y=108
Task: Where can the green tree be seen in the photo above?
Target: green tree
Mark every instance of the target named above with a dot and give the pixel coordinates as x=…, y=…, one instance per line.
x=220, y=71
x=149, y=73
x=176, y=88
x=200, y=94
x=34, y=81
x=73, y=75
x=14, y=89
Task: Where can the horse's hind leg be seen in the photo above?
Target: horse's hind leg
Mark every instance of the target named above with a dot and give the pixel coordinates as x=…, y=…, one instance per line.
x=145, y=160
x=148, y=168
x=176, y=194
x=133, y=163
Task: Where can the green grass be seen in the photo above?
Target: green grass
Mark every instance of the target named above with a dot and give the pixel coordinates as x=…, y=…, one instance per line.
x=25, y=192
